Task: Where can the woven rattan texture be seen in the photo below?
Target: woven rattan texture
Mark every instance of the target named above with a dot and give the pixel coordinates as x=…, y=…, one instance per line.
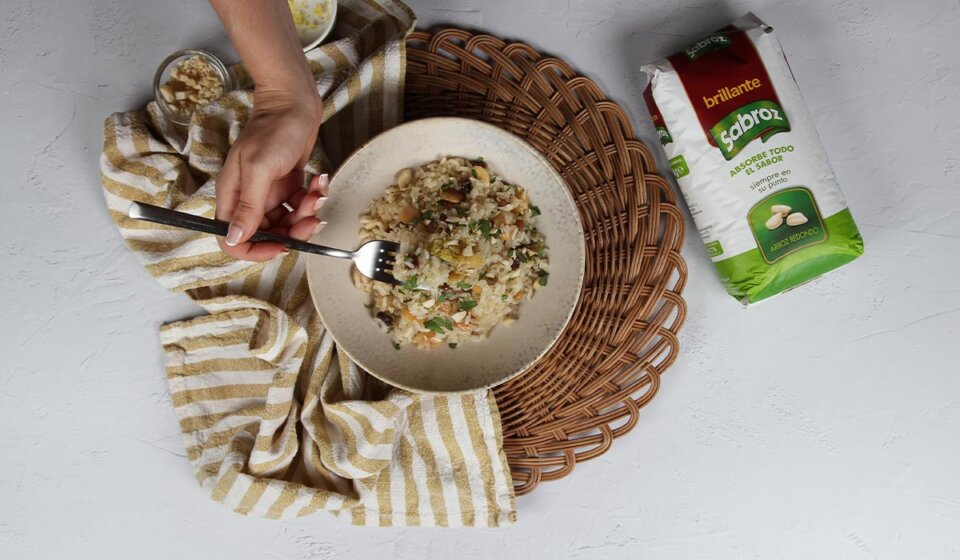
x=589, y=389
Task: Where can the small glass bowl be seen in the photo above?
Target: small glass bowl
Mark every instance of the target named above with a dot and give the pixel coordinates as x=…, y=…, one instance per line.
x=171, y=62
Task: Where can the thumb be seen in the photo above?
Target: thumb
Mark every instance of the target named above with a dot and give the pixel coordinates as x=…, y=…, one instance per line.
x=250, y=208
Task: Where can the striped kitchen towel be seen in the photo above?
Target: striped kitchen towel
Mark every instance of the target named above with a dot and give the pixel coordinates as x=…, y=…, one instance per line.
x=276, y=422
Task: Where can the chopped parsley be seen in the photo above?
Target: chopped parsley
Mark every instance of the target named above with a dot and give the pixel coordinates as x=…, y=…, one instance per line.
x=463, y=285
x=410, y=283
x=473, y=173
x=396, y=345
x=485, y=227
x=544, y=275
x=438, y=324
x=534, y=210
x=452, y=345
x=467, y=305
x=427, y=215
x=445, y=295
x=504, y=297
x=478, y=158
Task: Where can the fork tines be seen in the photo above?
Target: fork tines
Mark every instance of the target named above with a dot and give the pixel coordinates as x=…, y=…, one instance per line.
x=386, y=259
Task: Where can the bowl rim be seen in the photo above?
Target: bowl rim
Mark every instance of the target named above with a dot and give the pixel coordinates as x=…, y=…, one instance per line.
x=218, y=65
x=327, y=30
x=581, y=272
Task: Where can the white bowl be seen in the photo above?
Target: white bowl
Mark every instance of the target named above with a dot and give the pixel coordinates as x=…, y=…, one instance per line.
x=509, y=350
x=311, y=38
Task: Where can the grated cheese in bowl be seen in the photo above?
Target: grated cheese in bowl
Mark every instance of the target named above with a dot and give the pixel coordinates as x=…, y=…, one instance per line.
x=313, y=19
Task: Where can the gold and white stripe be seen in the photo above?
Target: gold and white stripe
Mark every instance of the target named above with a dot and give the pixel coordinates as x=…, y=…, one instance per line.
x=275, y=420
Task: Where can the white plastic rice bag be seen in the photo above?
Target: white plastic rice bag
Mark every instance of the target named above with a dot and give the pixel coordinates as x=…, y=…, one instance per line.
x=749, y=162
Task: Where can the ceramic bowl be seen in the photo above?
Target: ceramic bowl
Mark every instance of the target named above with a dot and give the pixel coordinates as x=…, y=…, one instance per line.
x=311, y=37
x=510, y=349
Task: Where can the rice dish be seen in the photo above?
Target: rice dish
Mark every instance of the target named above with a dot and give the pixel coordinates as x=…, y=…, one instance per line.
x=470, y=253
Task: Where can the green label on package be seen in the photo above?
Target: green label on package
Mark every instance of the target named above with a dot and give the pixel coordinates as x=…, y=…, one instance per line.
x=785, y=222
x=714, y=249
x=679, y=166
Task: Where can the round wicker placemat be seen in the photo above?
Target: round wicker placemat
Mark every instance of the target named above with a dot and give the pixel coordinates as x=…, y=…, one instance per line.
x=588, y=390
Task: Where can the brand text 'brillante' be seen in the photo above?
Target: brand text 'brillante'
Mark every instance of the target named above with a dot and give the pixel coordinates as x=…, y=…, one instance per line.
x=727, y=93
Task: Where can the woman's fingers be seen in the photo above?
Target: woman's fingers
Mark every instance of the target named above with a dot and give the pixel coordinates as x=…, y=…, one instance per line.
x=228, y=192
x=320, y=183
x=284, y=188
x=309, y=204
x=256, y=181
x=250, y=199
x=258, y=252
x=274, y=217
x=305, y=228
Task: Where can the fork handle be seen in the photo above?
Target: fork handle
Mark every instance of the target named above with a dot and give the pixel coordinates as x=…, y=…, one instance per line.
x=182, y=220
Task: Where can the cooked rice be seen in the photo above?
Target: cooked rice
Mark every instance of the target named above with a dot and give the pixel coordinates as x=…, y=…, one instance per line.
x=470, y=253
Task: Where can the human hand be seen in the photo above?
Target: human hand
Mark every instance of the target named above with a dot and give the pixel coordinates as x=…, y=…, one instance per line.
x=264, y=170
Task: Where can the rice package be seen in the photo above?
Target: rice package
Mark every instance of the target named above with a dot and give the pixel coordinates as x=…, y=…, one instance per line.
x=749, y=162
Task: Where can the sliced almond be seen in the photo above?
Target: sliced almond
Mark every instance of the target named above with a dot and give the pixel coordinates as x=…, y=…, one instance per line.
x=167, y=93
x=482, y=174
x=409, y=214
x=452, y=195
x=404, y=176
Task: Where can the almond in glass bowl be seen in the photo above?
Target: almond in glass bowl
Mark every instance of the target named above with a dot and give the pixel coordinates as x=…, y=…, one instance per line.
x=188, y=80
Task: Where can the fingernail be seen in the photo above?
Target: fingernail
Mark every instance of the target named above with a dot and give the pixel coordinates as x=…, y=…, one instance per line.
x=320, y=202
x=324, y=184
x=320, y=226
x=234, y=232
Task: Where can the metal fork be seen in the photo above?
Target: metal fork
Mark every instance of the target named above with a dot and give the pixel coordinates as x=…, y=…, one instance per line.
x=374, y=259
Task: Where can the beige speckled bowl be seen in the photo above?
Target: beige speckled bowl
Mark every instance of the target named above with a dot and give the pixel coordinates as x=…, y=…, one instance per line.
x=510, y=349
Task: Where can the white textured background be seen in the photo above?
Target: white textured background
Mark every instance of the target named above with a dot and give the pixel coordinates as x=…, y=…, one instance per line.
x=824, y=424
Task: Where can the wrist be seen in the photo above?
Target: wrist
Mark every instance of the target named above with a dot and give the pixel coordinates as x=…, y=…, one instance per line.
x=300, y=95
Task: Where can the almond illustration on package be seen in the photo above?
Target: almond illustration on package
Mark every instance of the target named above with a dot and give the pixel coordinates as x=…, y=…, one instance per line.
x=748, y=160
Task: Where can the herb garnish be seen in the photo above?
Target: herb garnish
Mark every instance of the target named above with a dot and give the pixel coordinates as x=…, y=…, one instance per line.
x=437, y=324
x=484, y=226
